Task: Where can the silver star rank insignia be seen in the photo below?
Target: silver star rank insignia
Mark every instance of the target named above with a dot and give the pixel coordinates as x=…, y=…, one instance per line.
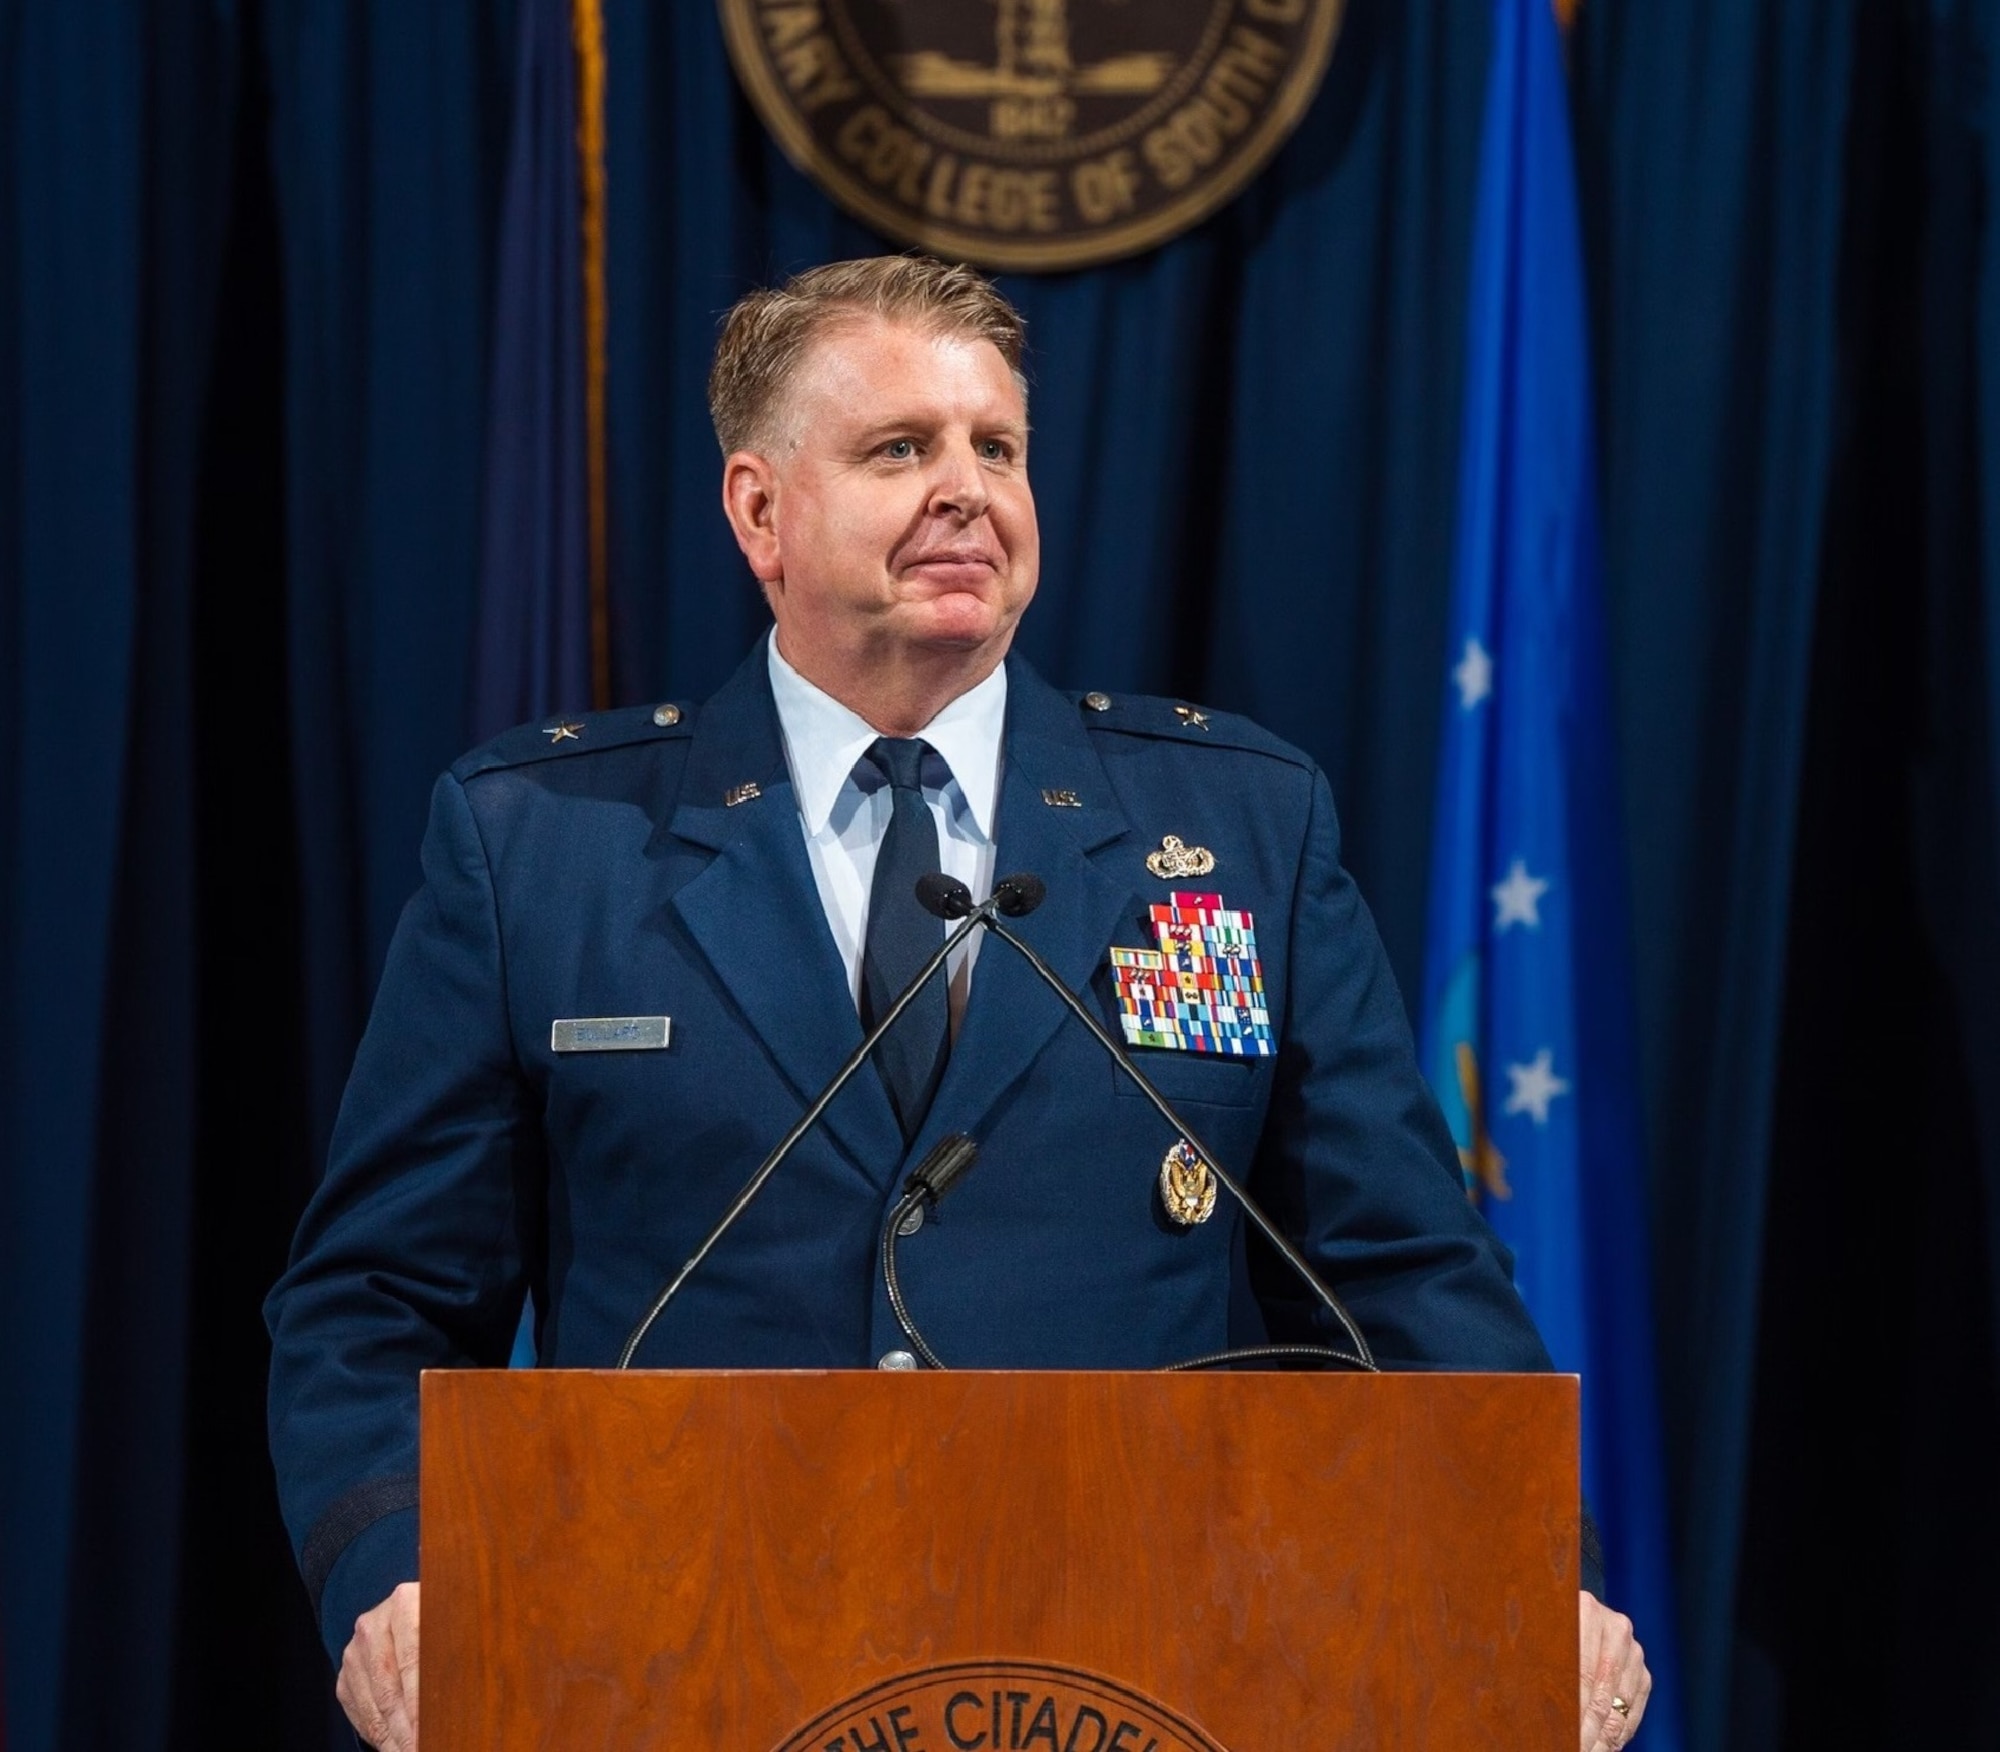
x=564, y=731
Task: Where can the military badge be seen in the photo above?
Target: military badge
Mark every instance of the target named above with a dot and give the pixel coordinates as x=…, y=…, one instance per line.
x=1175, y=861
x=1187, y=1188
x=1202, y=990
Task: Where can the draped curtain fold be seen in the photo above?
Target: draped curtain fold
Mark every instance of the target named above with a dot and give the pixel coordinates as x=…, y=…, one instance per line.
x=116, y=164
x=1713, y=176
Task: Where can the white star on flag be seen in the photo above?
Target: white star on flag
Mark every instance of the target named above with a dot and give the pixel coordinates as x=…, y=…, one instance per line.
x=1474, y=675
x=1517, y=901
x=1535, y=1086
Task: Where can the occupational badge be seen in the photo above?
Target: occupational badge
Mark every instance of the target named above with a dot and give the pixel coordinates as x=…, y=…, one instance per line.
x=1174, y=861
x=1202, y=989
x=1187, y=1188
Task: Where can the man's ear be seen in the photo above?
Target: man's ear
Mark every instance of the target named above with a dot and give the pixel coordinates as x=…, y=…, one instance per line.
x=750, y=502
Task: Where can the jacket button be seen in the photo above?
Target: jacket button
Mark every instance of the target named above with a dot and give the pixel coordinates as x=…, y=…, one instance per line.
x=1097, y=702
x=896, y=1359
x=666, y=716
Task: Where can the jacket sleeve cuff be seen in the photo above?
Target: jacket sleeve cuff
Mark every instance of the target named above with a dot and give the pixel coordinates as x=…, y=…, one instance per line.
x=1590, y=1555
x=376, y=1561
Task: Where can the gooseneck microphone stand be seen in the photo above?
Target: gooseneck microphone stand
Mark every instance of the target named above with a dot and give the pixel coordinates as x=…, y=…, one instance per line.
x=1014, y=896
x=974, y=918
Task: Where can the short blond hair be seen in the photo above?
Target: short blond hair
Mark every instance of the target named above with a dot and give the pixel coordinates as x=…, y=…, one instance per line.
x=767, y=332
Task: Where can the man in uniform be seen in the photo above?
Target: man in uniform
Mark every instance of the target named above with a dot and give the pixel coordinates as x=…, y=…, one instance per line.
x=734, y=880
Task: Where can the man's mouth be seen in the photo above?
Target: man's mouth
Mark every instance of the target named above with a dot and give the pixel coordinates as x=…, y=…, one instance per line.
x=954, y=566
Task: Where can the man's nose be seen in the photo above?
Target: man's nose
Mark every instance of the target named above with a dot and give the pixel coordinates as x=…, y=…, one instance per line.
x=959, y=486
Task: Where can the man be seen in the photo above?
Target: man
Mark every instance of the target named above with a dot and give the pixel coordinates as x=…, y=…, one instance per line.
x=742, y=869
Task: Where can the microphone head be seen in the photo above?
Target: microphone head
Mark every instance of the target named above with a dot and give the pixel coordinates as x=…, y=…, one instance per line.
x=1018, y=895
x=943, y=896
x=949, y=1158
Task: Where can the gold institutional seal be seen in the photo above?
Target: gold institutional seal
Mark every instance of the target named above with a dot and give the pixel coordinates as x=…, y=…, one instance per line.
x=1036, y=134
x=995, y=1704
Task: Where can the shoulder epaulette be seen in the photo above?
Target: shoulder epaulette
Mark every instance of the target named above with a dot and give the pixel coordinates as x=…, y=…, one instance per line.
x=1181, y=722
x=561, y=735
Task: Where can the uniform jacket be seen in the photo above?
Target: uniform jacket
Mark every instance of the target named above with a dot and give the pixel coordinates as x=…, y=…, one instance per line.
x=641, y=868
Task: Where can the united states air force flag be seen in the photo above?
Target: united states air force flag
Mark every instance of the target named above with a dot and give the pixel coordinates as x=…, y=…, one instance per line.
x=1527, y=1027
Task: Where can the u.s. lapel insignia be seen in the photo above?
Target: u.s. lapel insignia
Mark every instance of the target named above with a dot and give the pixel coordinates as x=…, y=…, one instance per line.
x=1062, y=799
x=1174, y=861
x=1187, y=1188
x=744, y=793
x=1190, y=718
x=563, y=730
x=1202, y=989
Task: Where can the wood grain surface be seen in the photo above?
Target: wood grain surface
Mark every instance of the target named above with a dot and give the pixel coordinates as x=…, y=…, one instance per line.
x=715, y=1560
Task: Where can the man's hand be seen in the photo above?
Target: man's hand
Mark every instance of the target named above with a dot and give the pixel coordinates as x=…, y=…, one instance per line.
x=378, y=1673
x=1612, y=1672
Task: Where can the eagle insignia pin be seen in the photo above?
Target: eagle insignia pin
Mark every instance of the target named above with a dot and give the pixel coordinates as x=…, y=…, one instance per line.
x=1187, y=1187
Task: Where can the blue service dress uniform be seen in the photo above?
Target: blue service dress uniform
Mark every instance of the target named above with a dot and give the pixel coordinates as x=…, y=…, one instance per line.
x=651, y=863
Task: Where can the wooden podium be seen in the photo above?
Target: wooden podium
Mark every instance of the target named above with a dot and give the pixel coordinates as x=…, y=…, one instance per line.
x=961, y=1562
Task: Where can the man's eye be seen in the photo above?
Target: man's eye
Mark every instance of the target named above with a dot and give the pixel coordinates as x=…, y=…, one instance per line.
x=897, y=449
x=996, y=450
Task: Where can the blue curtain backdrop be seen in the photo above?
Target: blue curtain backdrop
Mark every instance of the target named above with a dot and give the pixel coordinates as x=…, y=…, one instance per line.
x=532, y=645
x=248, y=261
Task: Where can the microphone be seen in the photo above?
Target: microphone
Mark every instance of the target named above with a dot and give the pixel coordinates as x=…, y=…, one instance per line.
x=929, y=1181
x=942, y=896
x=1015, y=895
x=928, y=888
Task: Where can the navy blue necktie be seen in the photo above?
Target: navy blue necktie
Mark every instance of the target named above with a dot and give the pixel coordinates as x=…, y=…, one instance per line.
x=902, y=937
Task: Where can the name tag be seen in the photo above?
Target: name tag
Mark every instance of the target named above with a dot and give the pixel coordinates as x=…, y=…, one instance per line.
x=609, y=1034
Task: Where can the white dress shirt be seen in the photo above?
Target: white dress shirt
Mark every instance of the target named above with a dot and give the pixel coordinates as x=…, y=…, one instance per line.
x=844, y=822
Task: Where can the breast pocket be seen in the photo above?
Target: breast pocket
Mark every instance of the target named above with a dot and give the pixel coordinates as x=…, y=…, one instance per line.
x=1210, y=1079
x=1195, y=1078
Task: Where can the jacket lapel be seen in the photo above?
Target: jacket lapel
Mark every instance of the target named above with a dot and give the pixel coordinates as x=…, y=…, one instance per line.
x=754, y=911
x=1010, y=1015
